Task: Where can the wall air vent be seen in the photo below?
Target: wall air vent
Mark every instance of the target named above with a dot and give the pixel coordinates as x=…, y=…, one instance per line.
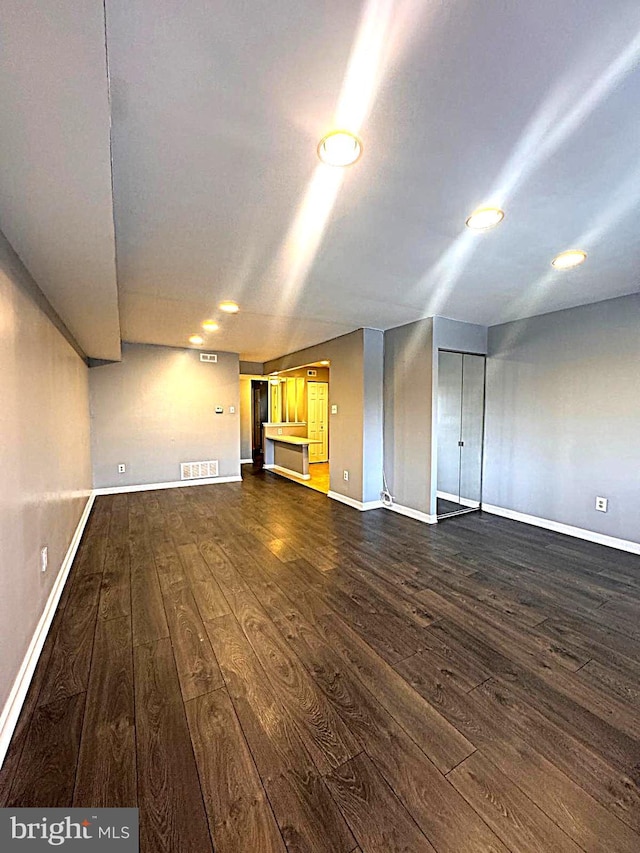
x=198, y=470
x=312, y=372
x=208, y=356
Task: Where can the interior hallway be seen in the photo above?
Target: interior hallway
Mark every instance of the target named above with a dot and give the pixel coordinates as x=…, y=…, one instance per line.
x=260, y=668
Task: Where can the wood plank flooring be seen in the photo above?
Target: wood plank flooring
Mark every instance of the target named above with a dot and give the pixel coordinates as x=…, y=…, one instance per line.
x=260, y=669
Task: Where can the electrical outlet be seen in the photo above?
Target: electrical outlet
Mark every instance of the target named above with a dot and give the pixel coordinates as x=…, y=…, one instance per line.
x=334, y=410
x=345, y=475
x=279, y=430
x=44, y=558
x=122, y=468
x=602, y=504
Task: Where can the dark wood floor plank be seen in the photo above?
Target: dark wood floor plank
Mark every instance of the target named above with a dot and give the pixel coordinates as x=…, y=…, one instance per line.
x=198, y=669
x=47, y=769
x=304, y=809
x=441, y=741
x=68, y=670
x=106, y=774
x=615, y=790
x=209, y=597
x=447, y=821
x=376, y=817
x=563, y=709
x=172, y=815
x=147, y=608
x=115, y=592
x=324, y=734
x=504, y=655
x=240, y=816
x=520, y=823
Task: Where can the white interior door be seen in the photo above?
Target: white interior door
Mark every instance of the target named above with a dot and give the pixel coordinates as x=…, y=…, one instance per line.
x=317, y=420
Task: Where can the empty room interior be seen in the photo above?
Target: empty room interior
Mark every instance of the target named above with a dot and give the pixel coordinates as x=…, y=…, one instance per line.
x=320, y=420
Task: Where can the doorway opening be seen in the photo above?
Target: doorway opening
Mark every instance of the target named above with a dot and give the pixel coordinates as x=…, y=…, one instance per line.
x=299, y=412
x=460, y=435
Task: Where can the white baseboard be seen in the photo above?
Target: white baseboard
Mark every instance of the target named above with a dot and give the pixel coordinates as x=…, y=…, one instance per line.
x=567, y=529
x=412, y=513
x=13, y=706
x=177, y=484
x=279, y=469
x=245, y=461
x=448, y=496
x=363, y=506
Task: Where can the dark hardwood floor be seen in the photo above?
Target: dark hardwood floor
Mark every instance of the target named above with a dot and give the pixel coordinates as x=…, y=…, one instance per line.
x=259, y=669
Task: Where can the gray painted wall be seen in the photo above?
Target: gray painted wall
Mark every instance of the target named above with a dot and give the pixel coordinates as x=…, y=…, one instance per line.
x=349, y=375
x=408, y=414
x=563, y=416
x=458, y=336
x=156, y=408
x=44, y=454
x=373, y=422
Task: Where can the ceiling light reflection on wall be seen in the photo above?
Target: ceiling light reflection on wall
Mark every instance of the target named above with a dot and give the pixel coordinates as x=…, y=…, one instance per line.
x=568, y=259
x=484, y=218
x=210, y=326
x=339, y=148
x=229, y=307
x=196, y=340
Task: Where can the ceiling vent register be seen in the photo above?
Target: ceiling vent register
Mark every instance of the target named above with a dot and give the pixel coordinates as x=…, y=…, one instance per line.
x=198, y=470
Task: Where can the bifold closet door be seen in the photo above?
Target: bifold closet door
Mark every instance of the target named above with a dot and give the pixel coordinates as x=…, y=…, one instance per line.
x=449, y=424
x=471, y=429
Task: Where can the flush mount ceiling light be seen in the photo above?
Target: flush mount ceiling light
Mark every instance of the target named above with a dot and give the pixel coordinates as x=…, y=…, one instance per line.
x=484, y=218
x=196, y=340
x=229, y=307
x=339, y=148
x=324, y=362
x=568, y=259
x=210, y=326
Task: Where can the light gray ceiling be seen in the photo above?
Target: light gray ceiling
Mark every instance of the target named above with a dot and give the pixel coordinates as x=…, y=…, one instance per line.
x=217, y=108
x=55, y=172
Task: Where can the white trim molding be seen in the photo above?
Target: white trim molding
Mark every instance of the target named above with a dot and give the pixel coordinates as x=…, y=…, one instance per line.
x=288, y=472
x=362, y=506
x=567, y=529
x=13, y=706
x=246, y=461
x=176, y=484
x=409, y=512
x=447, y=496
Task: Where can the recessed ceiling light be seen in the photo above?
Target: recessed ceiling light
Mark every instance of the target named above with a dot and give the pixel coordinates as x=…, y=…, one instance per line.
x=339, y=148
x=568, y=259
x=484, y=218
x=197, y=340
x=210, y=326
x=229, y=307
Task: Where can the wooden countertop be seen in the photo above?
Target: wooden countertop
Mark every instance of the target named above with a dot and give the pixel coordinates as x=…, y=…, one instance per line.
x=292, y=439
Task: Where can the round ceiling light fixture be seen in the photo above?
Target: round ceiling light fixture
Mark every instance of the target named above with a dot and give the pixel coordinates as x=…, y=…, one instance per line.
x=229, y=307
x=339, y=148
x=210, y=326
x=570, y=258
x=485, y=218
x=325, y=362
x=196, y=340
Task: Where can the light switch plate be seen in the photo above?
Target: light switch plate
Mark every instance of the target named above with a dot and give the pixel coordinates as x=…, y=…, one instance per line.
x=334, y=410
x=232, y=410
